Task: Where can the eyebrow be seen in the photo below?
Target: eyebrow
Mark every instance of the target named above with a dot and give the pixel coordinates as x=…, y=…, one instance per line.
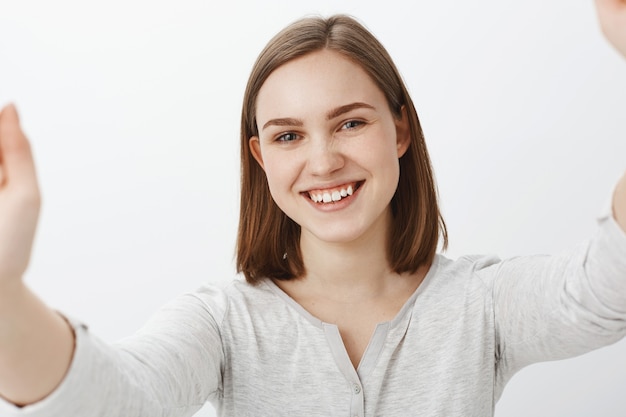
x=286, y=121
x=347, y=108
x=336, y=112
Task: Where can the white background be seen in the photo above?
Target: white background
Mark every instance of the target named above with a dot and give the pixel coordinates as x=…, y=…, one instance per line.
x=133, y=110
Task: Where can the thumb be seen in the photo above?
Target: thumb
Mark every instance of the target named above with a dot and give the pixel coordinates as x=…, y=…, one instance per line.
x=15, y=153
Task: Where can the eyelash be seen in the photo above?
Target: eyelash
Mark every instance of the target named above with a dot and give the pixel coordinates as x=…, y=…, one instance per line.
x=283, y=137
x=355, y=123
x=291, y=136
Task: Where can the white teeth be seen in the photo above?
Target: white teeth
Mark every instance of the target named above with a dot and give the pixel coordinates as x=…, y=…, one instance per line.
x=331, y=196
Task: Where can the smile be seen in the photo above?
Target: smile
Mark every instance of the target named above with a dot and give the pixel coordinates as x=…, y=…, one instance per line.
x=332, y=195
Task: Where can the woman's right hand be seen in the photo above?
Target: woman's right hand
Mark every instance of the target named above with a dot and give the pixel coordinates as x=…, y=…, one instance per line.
x=36, y=343
x=19, y=198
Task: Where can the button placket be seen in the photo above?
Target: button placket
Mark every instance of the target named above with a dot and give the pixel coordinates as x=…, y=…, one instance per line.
x=357, y=400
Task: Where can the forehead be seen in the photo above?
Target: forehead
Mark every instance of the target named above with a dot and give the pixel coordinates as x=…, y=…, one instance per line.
x=313, y=84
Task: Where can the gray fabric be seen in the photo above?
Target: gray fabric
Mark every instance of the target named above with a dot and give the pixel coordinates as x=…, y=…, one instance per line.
x=253, y=351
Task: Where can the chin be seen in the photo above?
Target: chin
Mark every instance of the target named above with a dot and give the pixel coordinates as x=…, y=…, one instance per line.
x=336, y=235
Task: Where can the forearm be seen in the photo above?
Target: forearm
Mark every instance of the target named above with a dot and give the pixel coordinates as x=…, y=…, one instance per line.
x=619, y=203
x=36, y=346
x=555, y=307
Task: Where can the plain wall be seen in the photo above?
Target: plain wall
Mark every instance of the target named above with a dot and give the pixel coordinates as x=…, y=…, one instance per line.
x=133, y=111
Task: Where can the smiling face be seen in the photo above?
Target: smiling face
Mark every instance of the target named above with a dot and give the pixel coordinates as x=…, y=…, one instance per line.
x=329, y=146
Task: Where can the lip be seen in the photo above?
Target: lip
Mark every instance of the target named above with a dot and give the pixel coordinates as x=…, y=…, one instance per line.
x=337, y=205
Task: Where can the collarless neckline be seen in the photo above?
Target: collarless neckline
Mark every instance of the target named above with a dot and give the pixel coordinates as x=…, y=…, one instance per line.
x=408, y=305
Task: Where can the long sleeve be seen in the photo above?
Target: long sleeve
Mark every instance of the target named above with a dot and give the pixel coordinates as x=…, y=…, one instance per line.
x=171, y=367
x=554, y=307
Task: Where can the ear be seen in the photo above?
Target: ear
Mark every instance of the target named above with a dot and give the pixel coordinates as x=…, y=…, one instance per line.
x=255, y=150
x=403, y=132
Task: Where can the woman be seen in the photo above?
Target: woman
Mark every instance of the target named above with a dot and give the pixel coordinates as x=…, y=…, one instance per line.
x=346, y=309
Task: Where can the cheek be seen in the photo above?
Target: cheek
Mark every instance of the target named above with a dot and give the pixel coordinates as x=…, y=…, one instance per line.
x=382, y=154
x=391, y=169
x=386, y=166
x=281, y=172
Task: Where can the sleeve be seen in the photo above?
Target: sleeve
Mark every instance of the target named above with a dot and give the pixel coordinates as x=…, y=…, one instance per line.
x=555, y=307
x=171, y=367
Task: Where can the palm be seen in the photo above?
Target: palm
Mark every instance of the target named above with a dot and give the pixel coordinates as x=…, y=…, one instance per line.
x=19, y=198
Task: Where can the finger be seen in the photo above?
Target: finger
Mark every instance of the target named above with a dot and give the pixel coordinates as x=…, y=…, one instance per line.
x=15, y=153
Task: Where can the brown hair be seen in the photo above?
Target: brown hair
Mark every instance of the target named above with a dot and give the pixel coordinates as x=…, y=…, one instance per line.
x=268, y=242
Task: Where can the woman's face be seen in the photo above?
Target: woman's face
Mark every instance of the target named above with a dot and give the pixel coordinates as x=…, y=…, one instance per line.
x=329, y=147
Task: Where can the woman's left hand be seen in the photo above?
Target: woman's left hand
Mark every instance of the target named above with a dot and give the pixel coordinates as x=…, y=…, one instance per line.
x=612, y=16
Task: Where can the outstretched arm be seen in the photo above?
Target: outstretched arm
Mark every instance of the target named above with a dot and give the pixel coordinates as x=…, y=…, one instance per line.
x=36, y=344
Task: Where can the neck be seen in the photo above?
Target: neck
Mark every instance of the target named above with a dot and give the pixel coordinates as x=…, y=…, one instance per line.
x=352, y=269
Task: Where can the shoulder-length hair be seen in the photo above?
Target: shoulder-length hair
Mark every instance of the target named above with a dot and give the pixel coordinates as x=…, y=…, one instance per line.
x=268, y=242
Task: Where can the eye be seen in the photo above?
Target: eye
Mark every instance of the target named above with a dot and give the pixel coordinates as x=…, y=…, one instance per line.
x=351, y=124
x=287, y=137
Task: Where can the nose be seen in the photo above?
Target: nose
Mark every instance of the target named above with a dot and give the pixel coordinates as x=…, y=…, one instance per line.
x=325, y=157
